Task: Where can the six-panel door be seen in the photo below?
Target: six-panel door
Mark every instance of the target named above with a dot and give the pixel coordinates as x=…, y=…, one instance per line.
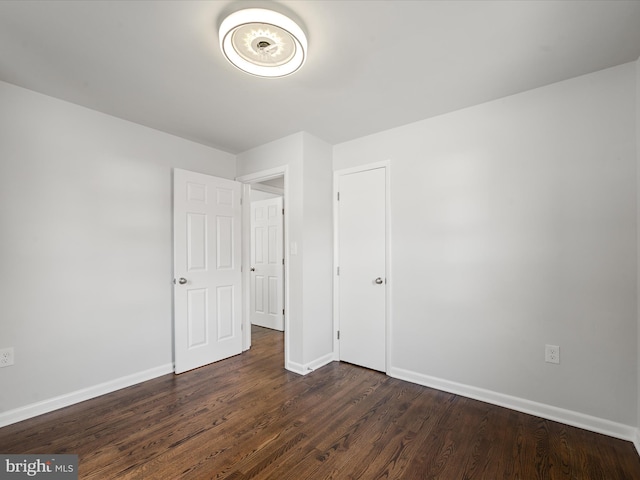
x=267, y=269
x=207, y=244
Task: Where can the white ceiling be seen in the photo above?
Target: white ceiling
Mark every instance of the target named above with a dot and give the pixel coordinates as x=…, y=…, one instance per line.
x=372, y=65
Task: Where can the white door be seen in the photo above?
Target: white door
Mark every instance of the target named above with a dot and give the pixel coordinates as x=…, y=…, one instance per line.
x=207, y=252
x=267, y=264
x=361, y=239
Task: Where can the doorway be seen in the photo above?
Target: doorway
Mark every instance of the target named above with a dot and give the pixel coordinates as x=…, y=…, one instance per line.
x=211, y=265
x=267, y=255
x=272, y=181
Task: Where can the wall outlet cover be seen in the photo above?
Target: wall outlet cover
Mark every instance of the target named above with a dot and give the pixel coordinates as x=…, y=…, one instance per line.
x=6, y=357
x=552, y=353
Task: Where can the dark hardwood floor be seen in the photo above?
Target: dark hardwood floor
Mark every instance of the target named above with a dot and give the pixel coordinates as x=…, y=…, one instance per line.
x=248, y=418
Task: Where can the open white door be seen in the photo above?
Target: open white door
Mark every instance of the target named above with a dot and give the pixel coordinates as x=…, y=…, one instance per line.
x=267, y=263
x=207, y=252
x=361, y=256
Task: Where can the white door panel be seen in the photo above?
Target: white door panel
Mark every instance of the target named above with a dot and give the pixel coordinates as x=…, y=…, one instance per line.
x=267, y=269
x=207, y=249
x=362, y=262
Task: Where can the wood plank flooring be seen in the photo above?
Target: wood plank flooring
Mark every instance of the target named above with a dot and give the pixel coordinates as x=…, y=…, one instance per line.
x=248, y=418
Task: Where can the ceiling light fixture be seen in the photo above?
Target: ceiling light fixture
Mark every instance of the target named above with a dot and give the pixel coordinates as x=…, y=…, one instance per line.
x=263, y=42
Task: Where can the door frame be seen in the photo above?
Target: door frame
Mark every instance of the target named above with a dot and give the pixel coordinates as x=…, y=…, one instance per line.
x=386, y=164
x=247, y=181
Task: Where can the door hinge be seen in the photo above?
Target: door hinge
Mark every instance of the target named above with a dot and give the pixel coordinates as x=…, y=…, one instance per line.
x=338, y=196
x=283, y=261
x=283, y=211
x=338, y=334
x=283, y=311
x=338, y=271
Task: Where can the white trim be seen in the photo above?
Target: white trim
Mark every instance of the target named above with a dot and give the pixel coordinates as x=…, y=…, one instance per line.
x=636, y=440
x=386, y=164
x=55, y=403
x=335, y=344
x=568, y=417
x=282, y=171
x=363, y=168
x=296, y=368
x=319, y=362
x=304, y=369
x=268, y=188
x=246, y=265
x=263, y=175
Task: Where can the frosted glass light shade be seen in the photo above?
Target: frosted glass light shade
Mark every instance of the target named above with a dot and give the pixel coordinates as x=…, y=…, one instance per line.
x=263, y=42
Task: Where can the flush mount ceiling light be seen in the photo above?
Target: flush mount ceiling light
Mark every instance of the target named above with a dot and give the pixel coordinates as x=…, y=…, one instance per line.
x=263, y=42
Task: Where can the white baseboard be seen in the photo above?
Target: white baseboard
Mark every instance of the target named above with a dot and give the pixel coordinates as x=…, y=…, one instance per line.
x=309, y=367
x=320, y=362
x=587, y=422
x=51, y=404
x=568, y=417
x=296, y=368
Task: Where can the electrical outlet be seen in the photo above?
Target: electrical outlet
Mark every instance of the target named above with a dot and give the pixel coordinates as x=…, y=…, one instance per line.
x=552, y=353
x=6, y=357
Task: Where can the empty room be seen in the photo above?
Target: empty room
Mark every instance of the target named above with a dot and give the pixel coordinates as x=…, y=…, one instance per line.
x=319, y=239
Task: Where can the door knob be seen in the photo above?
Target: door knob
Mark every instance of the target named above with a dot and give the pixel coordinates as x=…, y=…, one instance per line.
x=182, y=280
x=379, y=281
x=253, y=269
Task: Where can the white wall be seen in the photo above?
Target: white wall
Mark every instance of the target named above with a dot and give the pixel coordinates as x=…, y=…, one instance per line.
x=318, y=250
x=280, y=153
x=85, y=245
x=637, y=439
x=514, y=226
x=308, y=203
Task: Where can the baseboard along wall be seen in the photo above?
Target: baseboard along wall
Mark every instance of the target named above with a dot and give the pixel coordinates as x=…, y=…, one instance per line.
x=568, y=417
x=66, y=400
x=304, y=369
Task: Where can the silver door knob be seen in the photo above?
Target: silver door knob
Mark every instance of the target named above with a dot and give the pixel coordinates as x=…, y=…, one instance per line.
x=379, y=281
x=182, y=281
x=253, y=269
